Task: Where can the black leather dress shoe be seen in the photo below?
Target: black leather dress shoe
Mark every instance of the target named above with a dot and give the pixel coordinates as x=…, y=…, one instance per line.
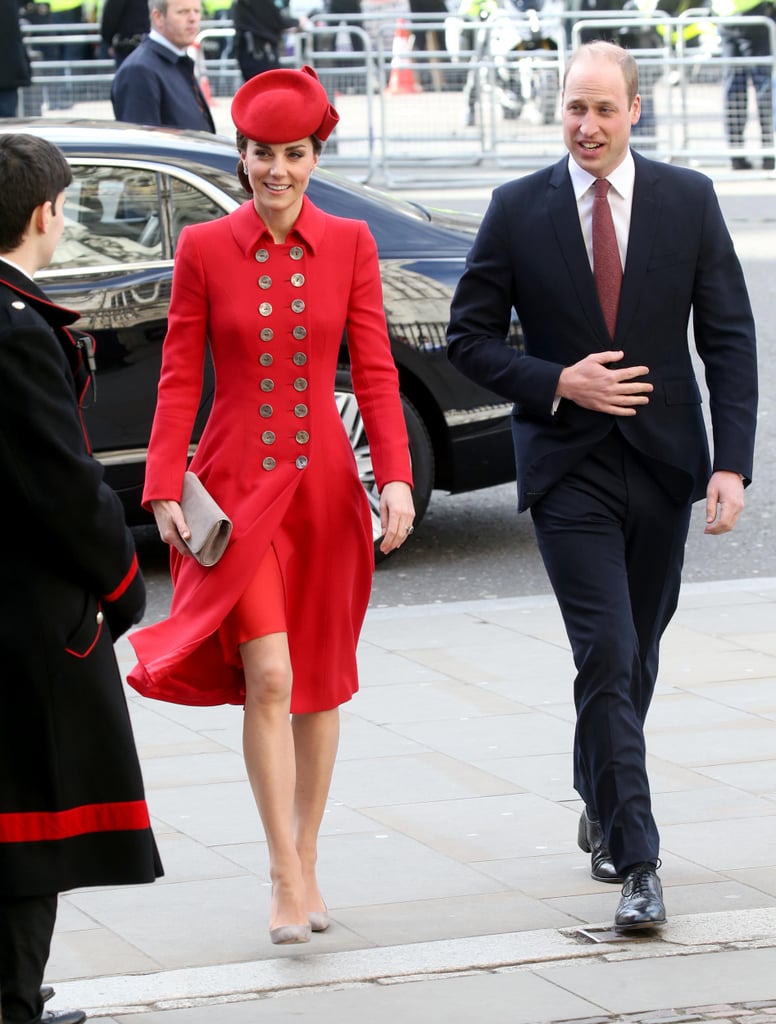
x=642, y=904
x=46, y=993
x=63, y=1017
x=590, y=839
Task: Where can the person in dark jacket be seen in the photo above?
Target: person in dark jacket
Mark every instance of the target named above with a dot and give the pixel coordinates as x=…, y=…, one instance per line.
x=258, y=34
x=14, y=62
x=156, y=83
x=123, y=25
x=72, y=806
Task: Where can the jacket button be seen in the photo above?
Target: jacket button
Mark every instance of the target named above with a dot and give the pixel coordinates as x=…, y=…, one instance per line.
x=266, y=359
x=267, y=384
x=296, y=252
x=300, y=410
x=299, y=358
x=268, y=463
x=265, y=309
x=300, y=384
x=301, y=461
x=302, y=437
x=297, y=280
x=262, y=255
x=267, y=334
x=268, y=437
x=299, y=333
x=265, y=281
x=265, y=411
x=297, y=306
x=99, y=618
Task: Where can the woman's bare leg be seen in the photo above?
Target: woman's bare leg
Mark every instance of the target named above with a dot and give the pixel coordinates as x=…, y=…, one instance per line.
x=316, y=737
x=270, y=760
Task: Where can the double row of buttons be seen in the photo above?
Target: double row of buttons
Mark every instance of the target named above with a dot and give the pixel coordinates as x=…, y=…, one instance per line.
x=266, y=359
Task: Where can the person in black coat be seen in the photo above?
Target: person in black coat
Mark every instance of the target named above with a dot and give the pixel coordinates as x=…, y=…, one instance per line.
x=72, y=805
x=14, y=62
x=123, y=25
x=156, y=84
x=258, y=34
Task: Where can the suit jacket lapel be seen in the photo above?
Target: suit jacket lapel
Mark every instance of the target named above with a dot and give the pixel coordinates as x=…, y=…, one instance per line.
x=641, y=238
x=565, y=220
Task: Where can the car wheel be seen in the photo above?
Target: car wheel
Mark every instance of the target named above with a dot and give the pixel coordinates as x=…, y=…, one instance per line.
x=421, y=453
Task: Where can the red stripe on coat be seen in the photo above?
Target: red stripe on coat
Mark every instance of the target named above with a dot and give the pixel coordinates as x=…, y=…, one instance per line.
x=114, y=595
x=41, y=826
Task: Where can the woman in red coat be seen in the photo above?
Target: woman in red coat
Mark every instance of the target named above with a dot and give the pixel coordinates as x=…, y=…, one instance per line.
x=274, y=624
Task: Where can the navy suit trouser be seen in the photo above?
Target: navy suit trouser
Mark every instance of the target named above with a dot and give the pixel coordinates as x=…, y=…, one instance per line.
x=612, y=540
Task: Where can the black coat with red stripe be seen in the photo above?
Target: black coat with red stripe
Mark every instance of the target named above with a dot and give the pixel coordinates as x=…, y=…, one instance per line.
x=72, y=806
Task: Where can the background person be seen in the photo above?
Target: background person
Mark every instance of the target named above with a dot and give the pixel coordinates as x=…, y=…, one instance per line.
x=259, y=26
x=123, y=25
x=156, y=84
x=746, y=41
x=14, y=62
x=72, y=809
x=274, y=624
x=610, y=440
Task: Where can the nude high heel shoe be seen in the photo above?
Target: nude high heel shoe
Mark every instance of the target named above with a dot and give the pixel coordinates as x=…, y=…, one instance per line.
x=287, y=934
x=319, y=920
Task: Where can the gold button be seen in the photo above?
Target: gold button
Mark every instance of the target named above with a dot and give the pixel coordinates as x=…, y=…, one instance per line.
x=300, y=410
x=267, y=334
x=268, y=437
x=265, y=281
x=266, y=359
x=267, y=384
x=299, y=333
x=300, y=384
x=297, y=280
x=268, y=463
x=262, y=255
x=302, y=437
x=296, y=252
x=265, y=411
x=301, y=461
x=265, y=309
x=99, y=617
x=297, y=306
x=300, y=358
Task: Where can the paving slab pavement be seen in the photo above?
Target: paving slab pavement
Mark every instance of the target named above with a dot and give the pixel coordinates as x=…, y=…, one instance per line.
x=448, y=852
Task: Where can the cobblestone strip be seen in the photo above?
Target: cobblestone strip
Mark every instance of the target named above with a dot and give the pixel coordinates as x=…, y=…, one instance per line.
x=721, y=1013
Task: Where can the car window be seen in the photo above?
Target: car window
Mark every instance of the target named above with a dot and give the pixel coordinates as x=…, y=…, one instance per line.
x=112, y=215
x=188, y=205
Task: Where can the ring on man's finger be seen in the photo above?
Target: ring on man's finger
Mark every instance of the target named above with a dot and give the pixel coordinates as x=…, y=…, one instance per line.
x=409, y=530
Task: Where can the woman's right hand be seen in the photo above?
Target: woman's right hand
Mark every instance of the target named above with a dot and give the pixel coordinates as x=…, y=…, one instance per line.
x=171, y=524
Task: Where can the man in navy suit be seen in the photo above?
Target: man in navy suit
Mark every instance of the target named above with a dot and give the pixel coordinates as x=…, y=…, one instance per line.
x=609, y=435
x=156, y=83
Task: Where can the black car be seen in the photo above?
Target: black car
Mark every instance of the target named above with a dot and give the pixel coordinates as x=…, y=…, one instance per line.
x=134, y=189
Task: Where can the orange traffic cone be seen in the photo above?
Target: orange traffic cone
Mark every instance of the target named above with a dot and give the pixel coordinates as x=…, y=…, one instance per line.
x=200, y=71
x=402, y=79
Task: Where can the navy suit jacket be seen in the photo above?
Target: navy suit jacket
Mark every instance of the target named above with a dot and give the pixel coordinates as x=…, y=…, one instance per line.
x=154, y=86
x=530, y=255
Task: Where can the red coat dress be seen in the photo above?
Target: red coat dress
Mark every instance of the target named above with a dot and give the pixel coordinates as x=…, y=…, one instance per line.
x=273, y=453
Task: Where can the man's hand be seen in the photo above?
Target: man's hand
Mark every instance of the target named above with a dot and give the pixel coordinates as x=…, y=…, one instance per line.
x=592, y=384
x=724, y=501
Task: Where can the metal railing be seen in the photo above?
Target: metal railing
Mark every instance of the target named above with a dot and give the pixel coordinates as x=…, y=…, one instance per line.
x=451, y=94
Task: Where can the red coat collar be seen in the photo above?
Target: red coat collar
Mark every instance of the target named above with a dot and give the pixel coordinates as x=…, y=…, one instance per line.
x=249, y=229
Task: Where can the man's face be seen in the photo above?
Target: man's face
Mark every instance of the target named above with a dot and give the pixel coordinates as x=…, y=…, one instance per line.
x=180, y=24
x=597, y=117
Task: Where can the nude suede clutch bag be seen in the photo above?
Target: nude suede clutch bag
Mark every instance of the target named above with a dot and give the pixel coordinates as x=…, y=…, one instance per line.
x=210, y=527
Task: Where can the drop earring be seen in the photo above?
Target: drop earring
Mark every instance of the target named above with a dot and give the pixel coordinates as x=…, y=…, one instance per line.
x=245, y=167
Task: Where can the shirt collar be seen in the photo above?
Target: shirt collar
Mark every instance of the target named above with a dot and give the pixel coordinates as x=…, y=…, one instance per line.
x=163, y=41
x=621, y=179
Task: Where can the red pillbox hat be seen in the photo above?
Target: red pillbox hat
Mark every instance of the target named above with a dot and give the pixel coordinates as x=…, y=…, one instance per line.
x=282, y=106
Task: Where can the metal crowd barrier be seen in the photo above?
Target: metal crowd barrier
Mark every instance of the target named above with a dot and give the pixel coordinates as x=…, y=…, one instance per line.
x=453, y=94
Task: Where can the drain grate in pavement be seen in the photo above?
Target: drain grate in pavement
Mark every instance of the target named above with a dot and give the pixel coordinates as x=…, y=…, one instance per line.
x=604, y=934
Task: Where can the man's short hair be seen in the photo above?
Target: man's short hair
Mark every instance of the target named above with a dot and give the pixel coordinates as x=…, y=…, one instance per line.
x=598, y=49
x=32, y=172
x=157, y=5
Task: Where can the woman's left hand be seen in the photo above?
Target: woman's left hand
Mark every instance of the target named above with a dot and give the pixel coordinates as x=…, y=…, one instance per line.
x=396, y=515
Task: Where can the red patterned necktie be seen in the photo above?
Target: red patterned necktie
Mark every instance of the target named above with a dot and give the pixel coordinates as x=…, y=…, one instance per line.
x=607, y=269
